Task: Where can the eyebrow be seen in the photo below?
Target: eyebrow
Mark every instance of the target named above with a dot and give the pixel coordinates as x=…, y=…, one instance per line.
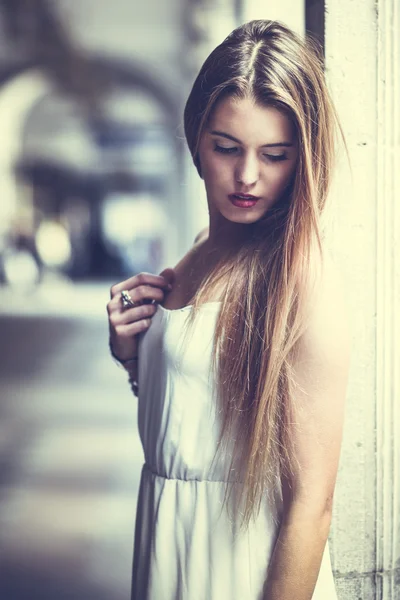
x=230, y=137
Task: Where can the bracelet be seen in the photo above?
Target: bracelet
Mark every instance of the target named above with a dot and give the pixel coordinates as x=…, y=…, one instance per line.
x=132, y=382
x=122, y=361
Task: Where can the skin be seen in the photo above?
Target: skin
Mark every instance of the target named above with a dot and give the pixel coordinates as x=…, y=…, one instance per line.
x=244, y=166
x=320, y=362
x=320, y=367
x=246, y=148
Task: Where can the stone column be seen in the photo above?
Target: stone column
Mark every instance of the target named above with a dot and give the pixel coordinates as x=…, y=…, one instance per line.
x=363, y=71
x=388, y=301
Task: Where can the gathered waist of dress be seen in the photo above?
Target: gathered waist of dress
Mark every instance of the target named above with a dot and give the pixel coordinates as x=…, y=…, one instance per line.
x=152, y=471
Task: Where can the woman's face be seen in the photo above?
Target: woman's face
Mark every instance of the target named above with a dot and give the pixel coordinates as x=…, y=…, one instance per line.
x=246, y=149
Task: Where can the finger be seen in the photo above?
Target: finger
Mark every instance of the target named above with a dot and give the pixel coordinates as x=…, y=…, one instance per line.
x=126, y=332
x=146, y=292
x=138, y=295
x=140, y=279
x=131, y=315
x=168, y=274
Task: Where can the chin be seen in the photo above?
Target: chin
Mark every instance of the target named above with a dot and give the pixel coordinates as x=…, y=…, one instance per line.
x=245, y=219
x=244, y=215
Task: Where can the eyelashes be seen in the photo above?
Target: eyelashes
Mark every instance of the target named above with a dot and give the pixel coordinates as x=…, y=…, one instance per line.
x=225, y=150
x=234, y=150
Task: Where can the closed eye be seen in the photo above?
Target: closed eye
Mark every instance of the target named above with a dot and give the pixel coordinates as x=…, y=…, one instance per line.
x=235, y=150
x=224, y=150
x=276, y=157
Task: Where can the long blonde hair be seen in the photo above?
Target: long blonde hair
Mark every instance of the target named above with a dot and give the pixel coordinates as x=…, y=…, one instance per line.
x=263, y=307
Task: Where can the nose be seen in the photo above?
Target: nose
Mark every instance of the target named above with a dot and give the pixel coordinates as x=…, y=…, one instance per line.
x=247, y=170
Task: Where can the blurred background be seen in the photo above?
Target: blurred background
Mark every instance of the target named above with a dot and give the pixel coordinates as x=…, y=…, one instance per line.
x=96, y=184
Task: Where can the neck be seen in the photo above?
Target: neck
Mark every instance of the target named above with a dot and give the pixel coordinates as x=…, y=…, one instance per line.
x=226, y=238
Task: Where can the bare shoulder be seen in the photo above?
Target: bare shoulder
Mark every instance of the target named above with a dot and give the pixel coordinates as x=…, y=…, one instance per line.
x=198, y=241
x=185, y=262
x=327, y=333
x=182, y=265
x=319, y=377
x=201, y=236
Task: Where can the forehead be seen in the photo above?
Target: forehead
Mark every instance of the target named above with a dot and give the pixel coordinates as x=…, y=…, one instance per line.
x=250, y=122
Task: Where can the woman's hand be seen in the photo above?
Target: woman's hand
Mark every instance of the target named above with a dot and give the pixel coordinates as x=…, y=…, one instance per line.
x=126, y=323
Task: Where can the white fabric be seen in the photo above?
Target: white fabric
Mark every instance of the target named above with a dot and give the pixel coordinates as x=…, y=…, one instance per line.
x=185, y=547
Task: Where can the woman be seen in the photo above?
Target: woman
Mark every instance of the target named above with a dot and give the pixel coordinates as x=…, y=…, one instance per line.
x=241, y=422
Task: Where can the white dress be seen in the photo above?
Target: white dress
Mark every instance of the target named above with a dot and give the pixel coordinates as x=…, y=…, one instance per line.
x=185, y=547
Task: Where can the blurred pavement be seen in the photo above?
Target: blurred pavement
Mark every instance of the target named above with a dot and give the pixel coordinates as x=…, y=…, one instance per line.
x=70, y=456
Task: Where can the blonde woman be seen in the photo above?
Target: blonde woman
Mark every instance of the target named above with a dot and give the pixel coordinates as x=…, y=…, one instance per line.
x=239, y=355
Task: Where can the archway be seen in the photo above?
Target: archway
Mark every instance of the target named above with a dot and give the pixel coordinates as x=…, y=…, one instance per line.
x=130, y=83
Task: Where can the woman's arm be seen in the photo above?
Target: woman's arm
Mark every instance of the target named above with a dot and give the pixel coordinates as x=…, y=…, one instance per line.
x=126, y=323
x=320, y=369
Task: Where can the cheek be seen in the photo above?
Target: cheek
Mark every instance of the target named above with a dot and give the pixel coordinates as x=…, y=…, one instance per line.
x=282, y=176
x=214, y=171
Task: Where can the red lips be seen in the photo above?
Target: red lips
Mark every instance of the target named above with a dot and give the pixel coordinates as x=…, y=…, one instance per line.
x=242, y=201
x=243, y=197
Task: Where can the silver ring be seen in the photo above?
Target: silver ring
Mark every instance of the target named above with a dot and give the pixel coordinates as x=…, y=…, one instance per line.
x=126, y=300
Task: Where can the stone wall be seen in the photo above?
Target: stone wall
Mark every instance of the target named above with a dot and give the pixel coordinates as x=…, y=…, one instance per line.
x=363, y=71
